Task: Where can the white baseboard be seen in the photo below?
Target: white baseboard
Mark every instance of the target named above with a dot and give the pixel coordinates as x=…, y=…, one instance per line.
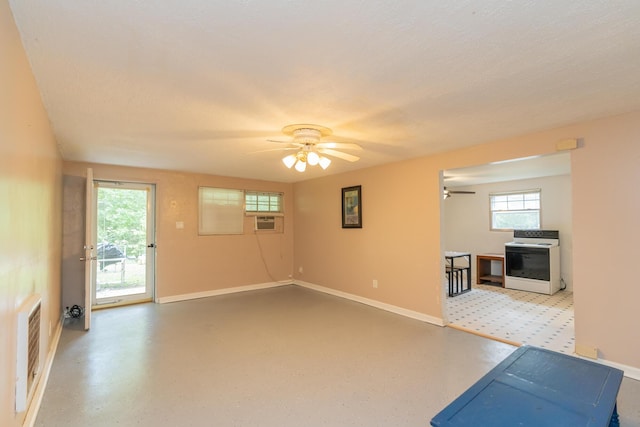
x=38, y=394
x=34, y=406
x=373, y=303
x=216, y=292
x=629, y=371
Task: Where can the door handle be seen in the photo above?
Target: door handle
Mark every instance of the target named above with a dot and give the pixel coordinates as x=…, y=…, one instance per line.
x=91, y=258
x=151, y=245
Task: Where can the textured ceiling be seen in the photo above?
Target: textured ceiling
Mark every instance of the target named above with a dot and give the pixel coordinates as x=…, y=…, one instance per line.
x=199, y=85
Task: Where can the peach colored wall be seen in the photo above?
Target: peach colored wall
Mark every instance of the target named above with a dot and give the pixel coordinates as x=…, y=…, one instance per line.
x=188, y=263
x=606, y=206
x=400, y=242
x=390, y=248
x=30, y=191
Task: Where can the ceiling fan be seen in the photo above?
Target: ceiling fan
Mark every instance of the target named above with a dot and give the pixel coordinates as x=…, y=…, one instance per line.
x=447, y=193
x=311, y=149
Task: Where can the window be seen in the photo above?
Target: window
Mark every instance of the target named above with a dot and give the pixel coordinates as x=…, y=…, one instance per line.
x=515, y=210
x=261, y=202
x=220, y=211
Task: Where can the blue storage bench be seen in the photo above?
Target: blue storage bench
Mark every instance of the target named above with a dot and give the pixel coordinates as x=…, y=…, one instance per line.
x=537, y=387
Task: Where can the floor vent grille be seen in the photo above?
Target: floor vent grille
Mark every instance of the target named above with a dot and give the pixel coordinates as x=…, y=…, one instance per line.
x=28, y=360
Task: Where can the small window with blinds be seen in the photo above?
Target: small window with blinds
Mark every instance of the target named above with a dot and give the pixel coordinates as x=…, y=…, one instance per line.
x=263, y=202
x=221, y=211
x=518, y=210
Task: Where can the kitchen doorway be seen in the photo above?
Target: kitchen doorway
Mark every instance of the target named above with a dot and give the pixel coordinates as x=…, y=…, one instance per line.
x=124, y=232
x=465, y=227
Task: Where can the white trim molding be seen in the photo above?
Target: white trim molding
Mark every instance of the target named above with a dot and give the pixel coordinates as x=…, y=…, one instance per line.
x=373, y=303
x=216, y=292
x=629, y=371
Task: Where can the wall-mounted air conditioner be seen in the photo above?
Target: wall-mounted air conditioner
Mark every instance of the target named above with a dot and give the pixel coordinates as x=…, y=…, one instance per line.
x=265, y=223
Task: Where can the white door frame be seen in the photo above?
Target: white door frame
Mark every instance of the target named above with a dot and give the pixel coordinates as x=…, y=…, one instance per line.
x=150, y=254
x=89, y=245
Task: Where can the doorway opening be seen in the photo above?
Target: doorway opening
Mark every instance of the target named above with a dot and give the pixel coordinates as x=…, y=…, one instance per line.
x=124, y=232
x=490, y=309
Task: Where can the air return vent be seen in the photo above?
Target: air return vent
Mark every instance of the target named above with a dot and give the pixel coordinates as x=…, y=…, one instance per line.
x=28, y=350
x=265, y=223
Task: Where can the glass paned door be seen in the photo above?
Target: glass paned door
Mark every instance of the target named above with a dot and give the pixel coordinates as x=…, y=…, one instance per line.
x=125, y=243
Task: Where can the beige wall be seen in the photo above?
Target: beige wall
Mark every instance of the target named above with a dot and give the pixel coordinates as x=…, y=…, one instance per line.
x=30, y=191
x=187, y=263
x=395, y=245
x=606, y=214
x=400, y=242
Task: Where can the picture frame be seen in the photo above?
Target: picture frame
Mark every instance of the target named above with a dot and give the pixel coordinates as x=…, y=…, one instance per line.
x=352, y=207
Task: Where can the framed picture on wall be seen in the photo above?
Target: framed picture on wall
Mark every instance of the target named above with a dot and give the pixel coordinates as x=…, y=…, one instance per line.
x=352, y=207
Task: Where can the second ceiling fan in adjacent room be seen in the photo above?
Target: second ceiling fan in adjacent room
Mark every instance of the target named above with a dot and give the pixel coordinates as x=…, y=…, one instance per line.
x=447, y=193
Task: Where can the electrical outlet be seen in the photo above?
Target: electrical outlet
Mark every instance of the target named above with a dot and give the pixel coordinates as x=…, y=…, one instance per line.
x=300, y=269
x=375, y=283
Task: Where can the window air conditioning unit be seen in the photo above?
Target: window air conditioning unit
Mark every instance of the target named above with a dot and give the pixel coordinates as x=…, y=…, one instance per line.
x=265, y=223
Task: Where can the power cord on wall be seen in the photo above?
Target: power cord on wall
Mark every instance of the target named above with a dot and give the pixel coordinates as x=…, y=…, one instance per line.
x=264, y=261
x=563, y=284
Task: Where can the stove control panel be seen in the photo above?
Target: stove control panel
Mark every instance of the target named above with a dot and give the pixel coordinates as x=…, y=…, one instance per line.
x=537, y=234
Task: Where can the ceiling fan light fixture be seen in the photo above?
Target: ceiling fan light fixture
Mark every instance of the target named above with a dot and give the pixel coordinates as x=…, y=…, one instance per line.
x=301, y=166
x=324, y=162
x=311, y=149
x=289, y=160
x=313, y=158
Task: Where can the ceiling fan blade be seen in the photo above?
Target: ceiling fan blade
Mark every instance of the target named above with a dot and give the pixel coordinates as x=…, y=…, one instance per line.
x=285, y=142
x=339, y=145
x=447, y=191
x=275, y=149
x=339, y=154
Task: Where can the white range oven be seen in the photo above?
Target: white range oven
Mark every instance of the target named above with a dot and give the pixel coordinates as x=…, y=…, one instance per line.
x=532, y=261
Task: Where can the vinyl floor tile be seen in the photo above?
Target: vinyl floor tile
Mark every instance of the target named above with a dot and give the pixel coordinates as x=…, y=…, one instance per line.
x=523, y=317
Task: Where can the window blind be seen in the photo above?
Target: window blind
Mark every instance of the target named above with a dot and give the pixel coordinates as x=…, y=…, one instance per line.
x=221, y=211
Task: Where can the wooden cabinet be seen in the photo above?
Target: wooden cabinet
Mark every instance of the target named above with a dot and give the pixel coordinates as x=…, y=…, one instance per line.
x=490, y=269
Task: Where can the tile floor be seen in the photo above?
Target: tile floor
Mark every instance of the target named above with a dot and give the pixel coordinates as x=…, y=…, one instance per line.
x=517, y=316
